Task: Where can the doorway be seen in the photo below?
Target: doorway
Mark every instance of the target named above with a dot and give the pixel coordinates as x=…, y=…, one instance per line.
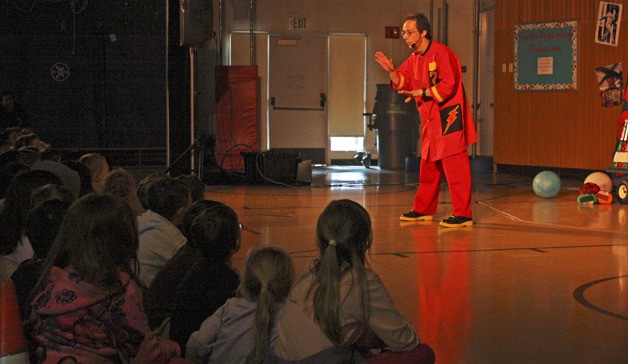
x=298, y=96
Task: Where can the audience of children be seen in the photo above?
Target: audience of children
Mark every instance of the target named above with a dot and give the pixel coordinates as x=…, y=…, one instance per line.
x=160, y=238
x=212, y=280
x=88, y=302
x=339, y=308
x=83, y=298
x=244, y=329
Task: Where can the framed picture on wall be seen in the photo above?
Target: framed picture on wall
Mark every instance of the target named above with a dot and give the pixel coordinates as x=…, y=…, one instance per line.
x=608, y=22
x=546, y=56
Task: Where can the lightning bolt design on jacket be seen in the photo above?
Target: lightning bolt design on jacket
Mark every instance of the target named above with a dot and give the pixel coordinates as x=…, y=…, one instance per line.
x=452, y=116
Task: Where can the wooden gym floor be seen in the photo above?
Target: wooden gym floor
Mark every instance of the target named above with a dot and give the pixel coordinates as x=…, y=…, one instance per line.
x=533, y=281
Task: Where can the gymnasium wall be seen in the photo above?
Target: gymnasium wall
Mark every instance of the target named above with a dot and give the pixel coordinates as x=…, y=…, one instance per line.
x=562, y=129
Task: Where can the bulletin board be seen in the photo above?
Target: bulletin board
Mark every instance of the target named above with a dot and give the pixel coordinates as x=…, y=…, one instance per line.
x=546, y=56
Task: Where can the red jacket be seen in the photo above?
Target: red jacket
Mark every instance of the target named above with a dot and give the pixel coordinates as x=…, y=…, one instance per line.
x=447, y=122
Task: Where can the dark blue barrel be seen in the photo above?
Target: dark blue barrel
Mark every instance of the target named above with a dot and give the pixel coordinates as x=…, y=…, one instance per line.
x=397, y=126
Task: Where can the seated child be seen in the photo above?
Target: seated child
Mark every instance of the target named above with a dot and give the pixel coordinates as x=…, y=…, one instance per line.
x=161, y=293
x=212, y=280
x=244, y=329
x=339, y=308
x=48, y=206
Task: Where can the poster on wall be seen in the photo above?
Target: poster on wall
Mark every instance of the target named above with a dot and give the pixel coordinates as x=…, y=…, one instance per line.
x=546, y=56
x=608, y=22
x=610, y=82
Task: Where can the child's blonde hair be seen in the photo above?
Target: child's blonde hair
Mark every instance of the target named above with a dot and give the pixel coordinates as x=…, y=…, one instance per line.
x=268, y=277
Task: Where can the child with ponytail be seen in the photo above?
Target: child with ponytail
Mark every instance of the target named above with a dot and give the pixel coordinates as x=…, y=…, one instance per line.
x=243, y=330
x=339, y=310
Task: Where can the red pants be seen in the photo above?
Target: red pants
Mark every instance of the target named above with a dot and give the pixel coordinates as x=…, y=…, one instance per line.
x=458, y=173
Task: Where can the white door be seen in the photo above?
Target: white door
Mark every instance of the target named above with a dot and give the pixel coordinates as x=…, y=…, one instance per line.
x=298, y=95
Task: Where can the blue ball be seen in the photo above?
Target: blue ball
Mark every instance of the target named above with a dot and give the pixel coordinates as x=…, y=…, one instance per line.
x=546, y=184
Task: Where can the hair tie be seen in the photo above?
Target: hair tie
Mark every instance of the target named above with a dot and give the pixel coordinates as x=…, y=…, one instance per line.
x=264, y=286
x=333, y=242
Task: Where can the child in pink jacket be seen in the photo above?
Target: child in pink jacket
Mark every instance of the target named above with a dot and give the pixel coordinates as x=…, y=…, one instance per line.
x=88, y=303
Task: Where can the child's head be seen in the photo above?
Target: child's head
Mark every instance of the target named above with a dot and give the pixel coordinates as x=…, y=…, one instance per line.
x=192, y=213
x=268, y=277
x=98, y=237
x=142, y=186
x=267, y=269
x=120, y=182
x=195, y=184
x=98, y=169
x=17, y=205
x=346, y=225
x=42, y=224
x=216, y=233
x=169, y=198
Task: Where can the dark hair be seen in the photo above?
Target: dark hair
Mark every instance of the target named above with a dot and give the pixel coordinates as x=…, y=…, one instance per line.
x=98, y=237
x=51, y=154
x=195, y=184
x=17, y=205
x=8, y=171
x=42, y=224
x=83, y=172
x=142, y=187
x=343, y=235
x=422, y=23
x=10, y=156
x=196, y=209
x=216, y=233
x=268, y=277
x=166, y=196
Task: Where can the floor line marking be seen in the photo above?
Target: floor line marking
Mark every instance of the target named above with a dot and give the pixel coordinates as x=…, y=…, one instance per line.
x=406, y=253
x=578, y=295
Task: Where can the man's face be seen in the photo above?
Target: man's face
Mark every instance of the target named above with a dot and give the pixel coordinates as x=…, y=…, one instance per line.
x=7, y=102
x=411, y=35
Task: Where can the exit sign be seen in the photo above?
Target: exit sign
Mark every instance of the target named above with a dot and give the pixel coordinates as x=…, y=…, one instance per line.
x=298, y=23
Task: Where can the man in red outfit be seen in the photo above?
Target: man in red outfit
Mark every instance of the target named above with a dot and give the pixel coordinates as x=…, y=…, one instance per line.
x=432, y=76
